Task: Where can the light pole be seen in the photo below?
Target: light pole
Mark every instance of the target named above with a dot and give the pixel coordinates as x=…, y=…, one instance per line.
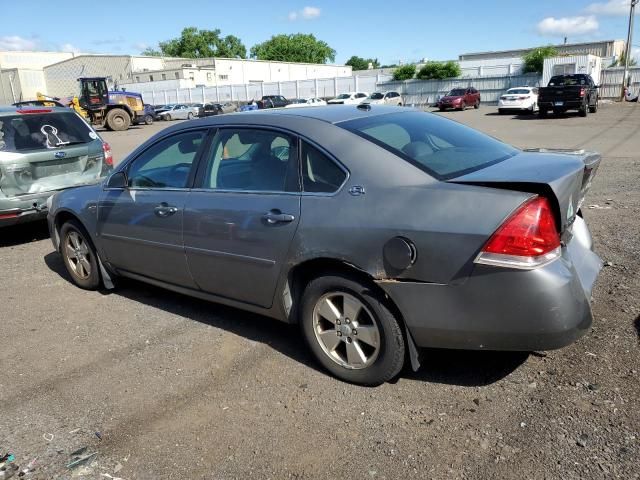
x=627, y=50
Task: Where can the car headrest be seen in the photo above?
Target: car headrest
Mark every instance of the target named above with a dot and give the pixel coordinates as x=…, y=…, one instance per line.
x=189, y=144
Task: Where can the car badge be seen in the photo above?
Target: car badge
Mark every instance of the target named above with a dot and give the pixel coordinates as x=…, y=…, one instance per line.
x=60, y=154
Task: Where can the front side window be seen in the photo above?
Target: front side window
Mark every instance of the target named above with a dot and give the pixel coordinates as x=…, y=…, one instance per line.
x=440, y=147
x=167, y=163
x=252, y=160
x=320, y=174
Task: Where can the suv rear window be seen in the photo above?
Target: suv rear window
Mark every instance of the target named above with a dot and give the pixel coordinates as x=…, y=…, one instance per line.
x=440, y=147
x=42, y=131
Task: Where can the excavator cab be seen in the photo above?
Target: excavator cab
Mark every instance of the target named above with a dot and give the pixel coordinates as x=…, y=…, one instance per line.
x=94, y=93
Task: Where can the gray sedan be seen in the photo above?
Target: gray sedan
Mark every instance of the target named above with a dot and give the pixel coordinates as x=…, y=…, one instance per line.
x=376, y=229
x=177, y=112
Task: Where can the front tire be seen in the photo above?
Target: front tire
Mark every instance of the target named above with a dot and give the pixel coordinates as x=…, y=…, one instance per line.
x=167, y=118
x=79, y=256
x=148, y=120
x=351, y=331
x=594, y=108
x=542, y=113
x=477, y=105
x=118, y=120
x=189, y=116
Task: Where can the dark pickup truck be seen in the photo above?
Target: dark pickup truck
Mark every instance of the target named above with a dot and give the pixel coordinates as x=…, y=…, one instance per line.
x=272, y=101
x=569, y=92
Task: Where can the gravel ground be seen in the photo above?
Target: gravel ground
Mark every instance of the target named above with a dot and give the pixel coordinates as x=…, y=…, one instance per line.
x=164, y=386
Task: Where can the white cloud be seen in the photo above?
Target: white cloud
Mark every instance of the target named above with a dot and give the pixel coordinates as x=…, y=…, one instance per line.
x=67, y=47
x=568, y=26
x=14, y=42
x=140, y=46
x=610, y=7
x=307, y=13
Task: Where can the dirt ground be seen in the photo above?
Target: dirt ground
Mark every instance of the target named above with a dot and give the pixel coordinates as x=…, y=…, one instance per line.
x=164, y=386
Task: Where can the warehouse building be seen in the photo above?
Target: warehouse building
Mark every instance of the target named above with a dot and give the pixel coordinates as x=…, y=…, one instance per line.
x=136, y=72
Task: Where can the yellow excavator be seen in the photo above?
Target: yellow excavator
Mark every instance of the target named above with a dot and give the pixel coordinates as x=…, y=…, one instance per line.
x=49, y=101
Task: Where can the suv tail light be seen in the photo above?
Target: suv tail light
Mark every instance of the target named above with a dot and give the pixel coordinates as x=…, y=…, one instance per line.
x=527, y=239
x=582, y=92
x=108, y=156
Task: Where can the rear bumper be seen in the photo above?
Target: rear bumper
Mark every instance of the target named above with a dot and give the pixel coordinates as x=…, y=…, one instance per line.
x=25, y=208
x=505, y=309
x=566, y=105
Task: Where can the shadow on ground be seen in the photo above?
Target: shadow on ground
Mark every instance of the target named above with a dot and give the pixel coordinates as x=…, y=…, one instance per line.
x=452, y=367
x=24, y=233
x=636, y=324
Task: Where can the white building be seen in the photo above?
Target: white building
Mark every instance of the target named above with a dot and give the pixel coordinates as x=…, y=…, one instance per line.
x=136, y=72
x=22, y=75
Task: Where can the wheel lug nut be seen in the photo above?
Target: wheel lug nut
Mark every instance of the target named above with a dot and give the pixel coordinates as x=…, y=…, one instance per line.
x=338, y=322
x=348, y=321
x=349, y=340
x=339, y=334
x=355, y=332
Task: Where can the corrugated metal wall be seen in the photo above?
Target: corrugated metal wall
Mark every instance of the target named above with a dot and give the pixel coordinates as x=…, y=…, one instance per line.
x=415, y=92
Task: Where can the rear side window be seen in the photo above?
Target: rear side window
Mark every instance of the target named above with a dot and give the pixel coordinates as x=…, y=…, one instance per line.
x=32, y=131
x=320, y=174
x=441, y=147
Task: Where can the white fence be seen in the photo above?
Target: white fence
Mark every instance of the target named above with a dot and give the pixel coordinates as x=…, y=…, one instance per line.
x=415, y=92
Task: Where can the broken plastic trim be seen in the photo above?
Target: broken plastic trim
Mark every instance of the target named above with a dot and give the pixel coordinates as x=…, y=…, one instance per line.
x=516, y=261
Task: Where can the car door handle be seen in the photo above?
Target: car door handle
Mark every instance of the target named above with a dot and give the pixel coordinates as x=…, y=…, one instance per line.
x=164, y=210
x=276, y=216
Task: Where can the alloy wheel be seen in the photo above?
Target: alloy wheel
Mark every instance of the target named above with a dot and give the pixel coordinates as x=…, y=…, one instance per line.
x=346, y=330
x=78, y=253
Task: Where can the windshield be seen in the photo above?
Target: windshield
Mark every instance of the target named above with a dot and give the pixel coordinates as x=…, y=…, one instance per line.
x=456, y=92
x=518, y=91
x=376, y=96
x=441, y=147
x=567, y=80
x=24, y=132
x=343, y=96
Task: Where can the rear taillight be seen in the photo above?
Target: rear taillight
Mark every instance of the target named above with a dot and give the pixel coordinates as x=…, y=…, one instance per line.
x=527, y=239
x=523, y=98
x=108, y=156
x=582, y=92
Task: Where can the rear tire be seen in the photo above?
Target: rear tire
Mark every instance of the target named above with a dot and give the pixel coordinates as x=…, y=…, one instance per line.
x=189, y=116
x=584, y=110
x=477, y=105
x=594, y=108
x=501, y=111
x=118, y=120
x=542, y=113
x=463, y=106
x=374, y=357
x=441, y=109
x=148, y=120
x=79, y=255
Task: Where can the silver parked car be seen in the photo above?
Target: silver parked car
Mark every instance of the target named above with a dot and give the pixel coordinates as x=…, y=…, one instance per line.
x=42, y=150
x=383, y=98
x=377, y=229
x=177, y=112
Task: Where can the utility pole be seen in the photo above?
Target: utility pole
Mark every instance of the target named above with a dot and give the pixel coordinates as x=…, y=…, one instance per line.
x=627, y=50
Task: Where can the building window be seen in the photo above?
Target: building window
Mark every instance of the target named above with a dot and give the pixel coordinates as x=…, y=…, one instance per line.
x=151, y=78
x=209, y=76
x=164, y=76
x=177, y=74
x=223, y=77
x=137, y=79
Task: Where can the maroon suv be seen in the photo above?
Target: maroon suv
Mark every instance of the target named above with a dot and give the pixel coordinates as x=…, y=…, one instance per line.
x=460, y=98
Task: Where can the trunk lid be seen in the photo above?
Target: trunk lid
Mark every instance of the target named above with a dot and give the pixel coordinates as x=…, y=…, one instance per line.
x=567, y=92
x=563, y=176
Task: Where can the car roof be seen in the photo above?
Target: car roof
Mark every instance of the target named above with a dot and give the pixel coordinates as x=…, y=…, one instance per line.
x=11, y=110
x=330, y=113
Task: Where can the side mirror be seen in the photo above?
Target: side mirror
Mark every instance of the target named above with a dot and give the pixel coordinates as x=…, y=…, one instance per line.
x=117, y=180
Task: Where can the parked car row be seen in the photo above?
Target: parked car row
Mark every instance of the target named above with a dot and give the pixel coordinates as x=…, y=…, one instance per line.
x=563, y=93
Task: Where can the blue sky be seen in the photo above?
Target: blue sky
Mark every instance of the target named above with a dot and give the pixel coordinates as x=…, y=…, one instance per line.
x=391, y=31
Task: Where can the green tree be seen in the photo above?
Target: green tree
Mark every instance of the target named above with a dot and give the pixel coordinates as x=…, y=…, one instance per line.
x=359, y=63
x=439, y=70
x=534, y=60
x=299, y=47
x=151, y=52
x=620, y=61
x=405, y=72
x=195, y=43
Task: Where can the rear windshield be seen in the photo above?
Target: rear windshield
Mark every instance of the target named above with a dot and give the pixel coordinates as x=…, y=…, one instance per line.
x=344, y=95
x=441, y=147
x=24, y=132
x=456, y=92
x=567, y=80
x=518, y=91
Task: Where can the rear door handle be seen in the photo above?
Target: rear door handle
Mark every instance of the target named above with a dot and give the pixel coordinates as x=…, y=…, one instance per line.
x=164, y=210
x=276, y=216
